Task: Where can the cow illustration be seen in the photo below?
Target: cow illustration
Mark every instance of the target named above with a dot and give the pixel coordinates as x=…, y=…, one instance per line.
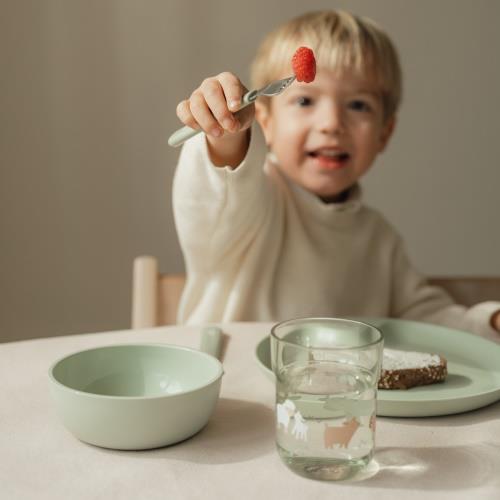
x=340, y=435
x=284, y=413
x=300, y=427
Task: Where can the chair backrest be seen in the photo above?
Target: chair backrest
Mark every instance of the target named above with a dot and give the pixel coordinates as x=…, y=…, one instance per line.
x=155, y=296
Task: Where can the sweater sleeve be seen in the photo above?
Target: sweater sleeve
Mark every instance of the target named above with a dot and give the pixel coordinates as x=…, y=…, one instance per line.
x=214, y=206
x=414, y=298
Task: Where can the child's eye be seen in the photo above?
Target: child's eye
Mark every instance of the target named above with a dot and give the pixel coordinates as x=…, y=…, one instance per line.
x=359, y=105
x=304, y=101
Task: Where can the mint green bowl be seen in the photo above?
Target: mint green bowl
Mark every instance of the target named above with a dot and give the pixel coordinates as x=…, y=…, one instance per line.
x=135, y=396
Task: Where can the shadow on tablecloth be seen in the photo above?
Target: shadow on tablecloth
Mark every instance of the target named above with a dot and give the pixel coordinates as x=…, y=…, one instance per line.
x=237, y=431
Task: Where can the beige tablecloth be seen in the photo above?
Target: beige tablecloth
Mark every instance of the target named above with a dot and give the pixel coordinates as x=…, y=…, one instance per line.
x=455, y=457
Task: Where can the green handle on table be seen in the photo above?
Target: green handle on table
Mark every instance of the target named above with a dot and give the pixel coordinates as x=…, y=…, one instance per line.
x=211, y=341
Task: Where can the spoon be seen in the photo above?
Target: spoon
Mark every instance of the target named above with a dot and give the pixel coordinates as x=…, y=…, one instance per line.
x=274, y=88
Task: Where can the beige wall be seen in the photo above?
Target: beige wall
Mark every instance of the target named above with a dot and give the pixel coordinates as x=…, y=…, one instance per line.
x=87, y=97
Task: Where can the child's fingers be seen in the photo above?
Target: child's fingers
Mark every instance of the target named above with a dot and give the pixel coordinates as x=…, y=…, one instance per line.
x=233, y=90
x=216, y=101
x=209, y=106
x=202, y=114
x=185, y=116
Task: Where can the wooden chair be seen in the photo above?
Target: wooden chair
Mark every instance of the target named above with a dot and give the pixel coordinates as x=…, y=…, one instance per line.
x=155, y=296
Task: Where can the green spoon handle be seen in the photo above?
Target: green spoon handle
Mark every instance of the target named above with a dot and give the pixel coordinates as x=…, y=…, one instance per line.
x=211, y=341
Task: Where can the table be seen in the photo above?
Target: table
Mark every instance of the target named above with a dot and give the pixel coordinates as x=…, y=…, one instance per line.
x=455, y=457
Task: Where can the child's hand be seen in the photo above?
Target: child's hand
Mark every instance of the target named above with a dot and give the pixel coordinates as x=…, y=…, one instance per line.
x=495, y=321
x=211, y=105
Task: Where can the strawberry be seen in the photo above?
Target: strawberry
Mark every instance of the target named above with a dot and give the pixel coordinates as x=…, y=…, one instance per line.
x=304, y=64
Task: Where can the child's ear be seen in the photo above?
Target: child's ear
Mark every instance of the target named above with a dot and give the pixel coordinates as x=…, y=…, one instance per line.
x=387, y=130
x=263, y=117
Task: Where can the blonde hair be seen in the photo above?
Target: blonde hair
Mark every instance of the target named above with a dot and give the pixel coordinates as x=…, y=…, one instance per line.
x=340, y=41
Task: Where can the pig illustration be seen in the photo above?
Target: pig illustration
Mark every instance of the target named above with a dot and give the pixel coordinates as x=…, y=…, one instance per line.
x=340, y=435
x=373, y=422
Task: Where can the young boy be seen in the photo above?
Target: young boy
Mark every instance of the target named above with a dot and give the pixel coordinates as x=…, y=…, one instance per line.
x=293, y=238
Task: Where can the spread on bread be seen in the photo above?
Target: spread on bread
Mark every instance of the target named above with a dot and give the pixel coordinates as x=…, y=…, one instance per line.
x=405, y=369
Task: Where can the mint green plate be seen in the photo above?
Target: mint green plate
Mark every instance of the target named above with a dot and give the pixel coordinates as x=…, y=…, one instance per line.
x=473, y=379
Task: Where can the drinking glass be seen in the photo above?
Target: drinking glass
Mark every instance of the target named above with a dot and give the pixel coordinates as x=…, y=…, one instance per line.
x=327, y=371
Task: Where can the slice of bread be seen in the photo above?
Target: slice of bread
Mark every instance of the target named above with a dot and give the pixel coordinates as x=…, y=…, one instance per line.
x=405, y=369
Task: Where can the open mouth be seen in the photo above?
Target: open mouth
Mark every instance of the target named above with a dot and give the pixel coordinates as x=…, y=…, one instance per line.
x=329, y=158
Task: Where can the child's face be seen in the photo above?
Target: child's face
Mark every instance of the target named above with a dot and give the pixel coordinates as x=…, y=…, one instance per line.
x=326, y=134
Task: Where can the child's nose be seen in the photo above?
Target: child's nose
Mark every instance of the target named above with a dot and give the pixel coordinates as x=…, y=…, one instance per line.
x=331, y=120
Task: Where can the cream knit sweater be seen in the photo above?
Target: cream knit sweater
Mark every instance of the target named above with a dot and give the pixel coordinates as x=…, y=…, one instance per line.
x=259, y=248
